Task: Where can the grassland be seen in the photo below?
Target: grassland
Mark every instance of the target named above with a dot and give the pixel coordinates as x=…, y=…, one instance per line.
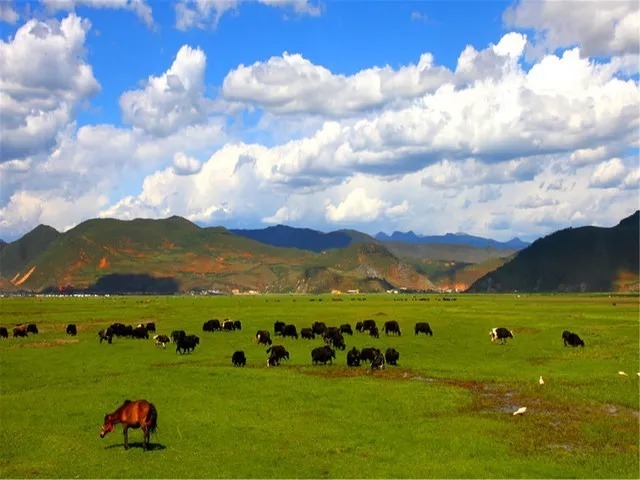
x=444, y=412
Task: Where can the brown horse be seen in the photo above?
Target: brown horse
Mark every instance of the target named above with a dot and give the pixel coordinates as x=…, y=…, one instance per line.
x=132, y=414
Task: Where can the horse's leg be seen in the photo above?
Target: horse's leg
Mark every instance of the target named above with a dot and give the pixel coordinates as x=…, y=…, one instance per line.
x=126, y=437
x=145, y=438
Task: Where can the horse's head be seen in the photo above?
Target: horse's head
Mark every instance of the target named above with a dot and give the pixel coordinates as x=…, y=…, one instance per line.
x=107, y=427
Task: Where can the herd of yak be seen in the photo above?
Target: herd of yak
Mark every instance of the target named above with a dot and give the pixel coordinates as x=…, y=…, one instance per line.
x=333, y=339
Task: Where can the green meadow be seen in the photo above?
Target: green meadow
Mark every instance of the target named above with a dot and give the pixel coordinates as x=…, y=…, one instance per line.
x=446, y=411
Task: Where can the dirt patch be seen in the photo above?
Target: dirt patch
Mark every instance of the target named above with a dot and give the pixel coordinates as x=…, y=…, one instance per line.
x=525, y=330
x=53, y=343
x=380, y=314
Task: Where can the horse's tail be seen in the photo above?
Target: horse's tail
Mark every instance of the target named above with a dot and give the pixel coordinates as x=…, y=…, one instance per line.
x=152, y=418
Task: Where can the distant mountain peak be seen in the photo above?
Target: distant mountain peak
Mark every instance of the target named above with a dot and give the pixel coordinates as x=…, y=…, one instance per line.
x=459, y=238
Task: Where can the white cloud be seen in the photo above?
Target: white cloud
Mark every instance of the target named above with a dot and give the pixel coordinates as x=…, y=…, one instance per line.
x=39, y=97
x=284, y=215
x=600, y=28
x=139, y=7
x=185, y=165
x=608, y=174
x=536, y=201
x=171, y=101
x=7, y=13
x=356, y=207
x=207, y=13
x=292, y=84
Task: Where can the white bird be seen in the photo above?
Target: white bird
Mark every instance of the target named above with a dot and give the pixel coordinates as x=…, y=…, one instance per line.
x=622, y=373
x=520, y=411
x=541, y=381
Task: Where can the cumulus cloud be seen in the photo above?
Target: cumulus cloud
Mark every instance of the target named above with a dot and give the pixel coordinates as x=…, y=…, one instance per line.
x=38, y=98
x=600, y=28
x=139, y=7
x=291, y=84
x=284, y=215
x=185, y=165
x=359, y=207
x=608, y=174
x=207, y=13
x=171, y=101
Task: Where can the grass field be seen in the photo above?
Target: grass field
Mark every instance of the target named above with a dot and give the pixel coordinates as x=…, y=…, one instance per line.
x=444, y=412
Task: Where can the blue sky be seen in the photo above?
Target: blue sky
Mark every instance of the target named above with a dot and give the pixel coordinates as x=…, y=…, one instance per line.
x=499, y=119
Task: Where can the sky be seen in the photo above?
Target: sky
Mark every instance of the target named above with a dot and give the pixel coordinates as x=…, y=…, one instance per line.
x=497, y=119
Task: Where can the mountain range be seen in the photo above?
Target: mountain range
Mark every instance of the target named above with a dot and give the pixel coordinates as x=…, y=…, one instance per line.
x=451, y=239
x=174, y=255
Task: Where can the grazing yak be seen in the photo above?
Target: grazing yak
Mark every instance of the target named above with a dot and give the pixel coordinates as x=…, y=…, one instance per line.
x=278, y=327
x=32, y=328
x=187, y=344
x=359, y=327
x=71, y=329
x=367, y=325
x=335, y=338
x=353, y=357
x=290, y=331
x=237, y=325
x=373, y=331
x=391, y=356
x=570, y=338
x=378, y=362
x=4, y=333
x=118, y=329
x=276, y=353
x=368, y=354
x=177, y=335
x=228, y=325
x=346, y=328
x=140, y=332
x=323, y=355
x=238, y=359
x=106, y=334
x=501, y=334
x=423, y=327
x=392, y=326
x=211, y=325
x=151, y=327
x=319, y=328
x=263, y=337
x=161, y=340
x=307, y=333
x=20, y=331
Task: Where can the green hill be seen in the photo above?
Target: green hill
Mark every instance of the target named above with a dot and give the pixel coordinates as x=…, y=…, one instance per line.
x=16, y=255
x=585, y=259
x=175, y=255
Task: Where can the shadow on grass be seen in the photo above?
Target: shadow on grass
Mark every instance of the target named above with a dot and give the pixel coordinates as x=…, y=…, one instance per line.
x=152, y=446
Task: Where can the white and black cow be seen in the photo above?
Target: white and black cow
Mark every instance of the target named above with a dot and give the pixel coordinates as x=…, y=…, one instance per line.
x=263, y=337
x=161, y=340
x=501, y=334
x=378, y=362
x=276, y=353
